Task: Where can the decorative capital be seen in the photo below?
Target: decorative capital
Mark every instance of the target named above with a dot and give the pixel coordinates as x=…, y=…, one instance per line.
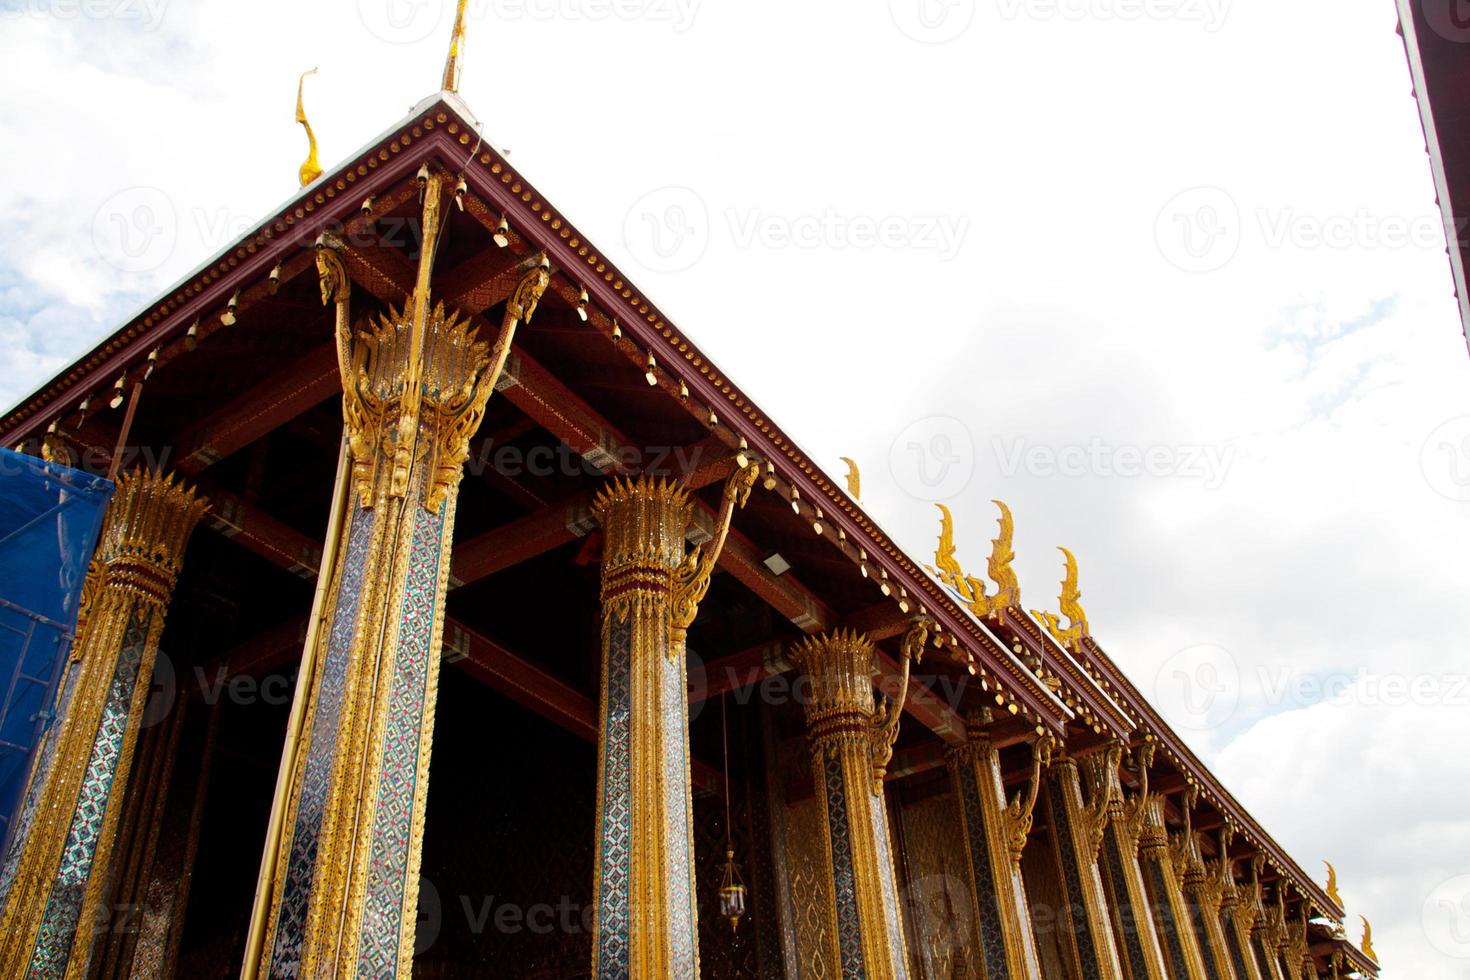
x=404, y=403
x=146, y=530
x=643, y=524
x=841, y=666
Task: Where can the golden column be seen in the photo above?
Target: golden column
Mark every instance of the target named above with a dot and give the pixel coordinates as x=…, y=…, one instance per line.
x=646, y=924
x=54, y=906
x=338, y=890
x=1210, y=890
x=1141, y=954
x=851, y=744
x=1226, y=936
x=1166, y=873
x=1246, y=916
x=995, y=833
x=1078, y=830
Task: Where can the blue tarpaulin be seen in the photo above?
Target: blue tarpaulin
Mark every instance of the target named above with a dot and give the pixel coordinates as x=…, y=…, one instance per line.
x=50, y=517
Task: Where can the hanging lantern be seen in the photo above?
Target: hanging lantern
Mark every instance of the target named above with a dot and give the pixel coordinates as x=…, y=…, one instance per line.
x=732, y=889
x=732, y=893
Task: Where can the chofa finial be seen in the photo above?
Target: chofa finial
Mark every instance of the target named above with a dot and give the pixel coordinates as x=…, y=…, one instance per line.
x=311, y=169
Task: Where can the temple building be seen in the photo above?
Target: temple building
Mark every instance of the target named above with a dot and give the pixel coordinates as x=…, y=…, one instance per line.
x=466, y=621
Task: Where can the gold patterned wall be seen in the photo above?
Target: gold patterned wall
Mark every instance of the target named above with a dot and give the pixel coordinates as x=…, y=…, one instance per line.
x=935, y=889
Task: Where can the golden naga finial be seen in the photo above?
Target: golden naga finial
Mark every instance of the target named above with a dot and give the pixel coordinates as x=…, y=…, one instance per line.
x=456, y=50
x=1332, y=892
x=970, y=589
x=854, y=479
x=312, y=168
x=1367, y=944
x=1070, y=604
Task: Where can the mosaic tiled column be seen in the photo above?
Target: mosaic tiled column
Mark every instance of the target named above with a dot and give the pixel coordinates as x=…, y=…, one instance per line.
x=1264, y=943
x=847, y=734
x=1210, y=890
x=343, y=879
x=1139, y=951
x=54, y=908
x=1238, y=915
x=1078, y=832
x=995, y=835
x=1172, y=911
x=646, y=923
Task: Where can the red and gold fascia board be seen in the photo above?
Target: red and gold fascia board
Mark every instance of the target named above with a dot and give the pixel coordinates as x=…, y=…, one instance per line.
x=1174, y=749
x=1078, y=679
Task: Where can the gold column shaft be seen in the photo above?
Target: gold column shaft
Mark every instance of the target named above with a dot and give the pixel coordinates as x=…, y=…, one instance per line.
x=55, y=904
x=344, y=874
x=1078, y=830
x=646, y=926
x=844, y=729
x=995, y=833
x=1175, y=913
x=1142, y=949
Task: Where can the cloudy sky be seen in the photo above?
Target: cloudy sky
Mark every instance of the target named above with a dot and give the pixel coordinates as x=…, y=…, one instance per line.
x=1168, y=278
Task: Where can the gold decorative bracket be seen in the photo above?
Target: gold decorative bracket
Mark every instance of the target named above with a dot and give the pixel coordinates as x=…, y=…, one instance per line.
x=1021, y=811
x=883, y=733
x=691, y=580
x=1103, y=784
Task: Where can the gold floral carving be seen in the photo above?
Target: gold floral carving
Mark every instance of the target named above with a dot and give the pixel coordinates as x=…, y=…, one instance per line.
x=883, y=728
x=691, y=580
x=1020, y=812
x=969, y=588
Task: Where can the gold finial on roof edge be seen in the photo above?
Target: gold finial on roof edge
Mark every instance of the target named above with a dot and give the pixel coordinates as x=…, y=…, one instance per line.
x=311, y=168
x=452, y=63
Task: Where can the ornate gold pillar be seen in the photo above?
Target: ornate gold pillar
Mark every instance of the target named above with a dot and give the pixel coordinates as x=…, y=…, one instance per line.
x=1298, y=958
x=1210, y=891
x=1140, y=954
x=341, y=867
x=1078, y=834
x=1243, y=915
x=995, y=833
x=646, y=924
x=1167, y=872
x=55, y=905
x=1268, y=937
x=851, y=743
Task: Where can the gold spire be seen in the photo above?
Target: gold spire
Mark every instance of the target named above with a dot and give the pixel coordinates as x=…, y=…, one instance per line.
x=969, y=588
x=854, y=479
x=1367, y=944
x=1070, y=604
x=1332, y=892
x=456, y=49
x=312, y=168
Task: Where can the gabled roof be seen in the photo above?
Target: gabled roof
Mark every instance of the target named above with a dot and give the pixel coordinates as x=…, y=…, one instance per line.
x=442, y=132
